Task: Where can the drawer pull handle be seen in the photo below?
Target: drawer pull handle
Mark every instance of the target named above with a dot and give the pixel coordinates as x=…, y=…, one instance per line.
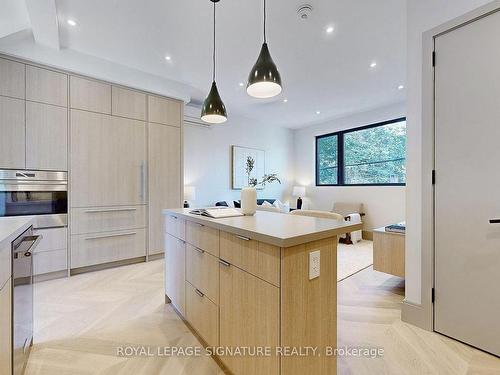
x=200, y=225
x=174, y=217
x=98, y=210
x=111, y=235
x=243, y=238
x=199, y=293
x=224, y=263
x=201, y=251
x=181, y=241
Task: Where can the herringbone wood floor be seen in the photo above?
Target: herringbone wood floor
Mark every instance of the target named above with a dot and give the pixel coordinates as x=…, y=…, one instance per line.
x=82, y=321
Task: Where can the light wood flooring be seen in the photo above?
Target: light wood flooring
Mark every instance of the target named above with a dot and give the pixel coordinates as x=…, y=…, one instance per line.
x=81, y=321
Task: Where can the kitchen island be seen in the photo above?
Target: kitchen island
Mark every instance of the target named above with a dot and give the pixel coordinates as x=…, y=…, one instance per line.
x=260, y=292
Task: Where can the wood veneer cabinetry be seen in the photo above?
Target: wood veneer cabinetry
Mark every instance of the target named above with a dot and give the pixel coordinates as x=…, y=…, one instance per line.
x=243, y=292
x=13, y=139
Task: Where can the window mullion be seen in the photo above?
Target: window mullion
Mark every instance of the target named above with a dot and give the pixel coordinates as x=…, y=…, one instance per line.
x=340, y=161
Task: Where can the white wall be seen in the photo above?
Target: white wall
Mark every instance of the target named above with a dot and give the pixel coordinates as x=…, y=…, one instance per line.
x=207, y=158
x=383, y=205
x=423, y=15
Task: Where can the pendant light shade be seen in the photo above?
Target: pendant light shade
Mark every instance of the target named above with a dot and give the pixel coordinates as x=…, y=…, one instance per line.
x=264, y=80
x=213, y=110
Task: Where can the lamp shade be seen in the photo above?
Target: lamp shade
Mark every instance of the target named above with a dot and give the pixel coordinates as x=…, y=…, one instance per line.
x=264, y=80
x=299, y=191
x=214, y=110
x=189, y=193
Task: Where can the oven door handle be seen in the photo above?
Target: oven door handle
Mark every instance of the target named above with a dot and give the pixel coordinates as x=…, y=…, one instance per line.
x=35, y=240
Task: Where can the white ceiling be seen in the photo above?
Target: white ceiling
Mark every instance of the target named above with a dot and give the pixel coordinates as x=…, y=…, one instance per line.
x=320, y=72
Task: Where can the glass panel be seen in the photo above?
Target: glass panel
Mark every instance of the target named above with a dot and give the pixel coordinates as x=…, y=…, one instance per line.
x=19, y=203
x=376, y=155
x=327, y=160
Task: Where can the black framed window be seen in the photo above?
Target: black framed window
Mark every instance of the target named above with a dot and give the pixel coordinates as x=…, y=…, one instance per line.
x=369, y=155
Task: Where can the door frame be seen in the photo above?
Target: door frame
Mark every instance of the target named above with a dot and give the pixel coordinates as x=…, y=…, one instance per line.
x=423, y=315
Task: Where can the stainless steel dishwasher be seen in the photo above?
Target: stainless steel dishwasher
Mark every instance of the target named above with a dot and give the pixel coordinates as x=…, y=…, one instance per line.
x=22, y=298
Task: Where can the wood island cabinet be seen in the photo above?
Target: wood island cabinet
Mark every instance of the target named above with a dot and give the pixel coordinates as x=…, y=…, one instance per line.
x=244, y=282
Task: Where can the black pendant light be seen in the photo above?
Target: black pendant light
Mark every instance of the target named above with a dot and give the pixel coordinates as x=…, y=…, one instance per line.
x=213, y=110
x=264, y=80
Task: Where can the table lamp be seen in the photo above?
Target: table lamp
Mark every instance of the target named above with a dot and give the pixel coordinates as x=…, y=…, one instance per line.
x=299, y=191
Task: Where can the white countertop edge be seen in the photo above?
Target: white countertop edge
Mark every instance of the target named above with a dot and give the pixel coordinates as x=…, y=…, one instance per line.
x=267, y=238
x=12, y=227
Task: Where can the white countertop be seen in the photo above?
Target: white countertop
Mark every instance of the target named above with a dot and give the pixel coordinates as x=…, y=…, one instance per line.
x=277, y=229
x=13, y=227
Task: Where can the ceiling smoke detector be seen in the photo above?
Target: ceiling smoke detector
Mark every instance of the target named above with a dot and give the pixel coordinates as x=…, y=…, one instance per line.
x=304, y=11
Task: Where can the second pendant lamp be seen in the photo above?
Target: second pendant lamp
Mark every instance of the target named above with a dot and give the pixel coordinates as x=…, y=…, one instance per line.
x=264, y=80
x=214, y=110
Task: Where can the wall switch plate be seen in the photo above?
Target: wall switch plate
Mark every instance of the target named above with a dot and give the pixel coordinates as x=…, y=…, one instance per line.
x=314, y=264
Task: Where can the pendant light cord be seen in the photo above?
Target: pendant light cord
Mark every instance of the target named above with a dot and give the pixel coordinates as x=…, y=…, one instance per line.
x=265, y=38
x=213, y=72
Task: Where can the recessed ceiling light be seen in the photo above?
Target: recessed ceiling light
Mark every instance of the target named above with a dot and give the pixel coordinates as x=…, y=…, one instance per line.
x=373, y=64
x=318, y=112
x=330, y=29
x=401, y=87
x=242, y=84
x=71, y=22
x=168, y=58
x=285, y=100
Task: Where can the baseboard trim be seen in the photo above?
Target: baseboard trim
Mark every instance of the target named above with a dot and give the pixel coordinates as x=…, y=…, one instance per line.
x=156, y=256
x=105, y=266
x=50, y=276
x=415, y=314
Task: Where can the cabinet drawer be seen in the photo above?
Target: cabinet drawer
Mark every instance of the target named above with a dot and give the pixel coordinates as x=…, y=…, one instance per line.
x=128, y=103
x=49, y=261
x=203, y=315
x=92, y=249
x=259, y=259
x=105, y=219
x=53, y=239
x=5, y=265
x=202, y=271
x=46, y=86
x=90, y=95
x=175, y=226
x=203, y=237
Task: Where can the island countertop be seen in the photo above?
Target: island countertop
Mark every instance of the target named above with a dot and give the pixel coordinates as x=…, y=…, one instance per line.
x=274, y=228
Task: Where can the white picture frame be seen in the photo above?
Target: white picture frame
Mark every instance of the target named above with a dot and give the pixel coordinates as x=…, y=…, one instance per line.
x=239, y=175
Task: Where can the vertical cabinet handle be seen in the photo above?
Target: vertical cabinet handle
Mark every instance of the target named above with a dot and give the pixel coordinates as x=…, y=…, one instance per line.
x=143, y=182
x=199, y=293
x=224, y=263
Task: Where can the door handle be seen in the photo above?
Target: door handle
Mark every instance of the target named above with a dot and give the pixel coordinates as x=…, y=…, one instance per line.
x=243, y=238
x=201, y=251
x=224, y=263
x=494, y=221
x=199, y=293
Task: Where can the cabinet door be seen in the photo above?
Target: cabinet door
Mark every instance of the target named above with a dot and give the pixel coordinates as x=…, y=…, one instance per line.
x=175, y=276
x=249, y=316
x=12, y=139
x=90, y=95
x=12, y=79
x=164, y=178
x=128, y=103
x=46, y=137
x=46, y=86
x=164, y=111
x=6, y=328
x=107, y=160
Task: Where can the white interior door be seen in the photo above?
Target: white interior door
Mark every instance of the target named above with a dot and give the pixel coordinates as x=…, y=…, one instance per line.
x=467, y=191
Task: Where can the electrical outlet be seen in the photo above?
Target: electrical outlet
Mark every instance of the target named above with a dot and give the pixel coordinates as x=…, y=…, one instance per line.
x=314, y=264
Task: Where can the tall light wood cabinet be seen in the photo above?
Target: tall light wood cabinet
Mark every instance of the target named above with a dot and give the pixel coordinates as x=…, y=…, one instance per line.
x=13, y=137
x=165, y=176
x=108, y=160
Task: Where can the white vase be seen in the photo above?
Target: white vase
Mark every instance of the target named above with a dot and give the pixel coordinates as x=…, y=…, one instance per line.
x=248, y=201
